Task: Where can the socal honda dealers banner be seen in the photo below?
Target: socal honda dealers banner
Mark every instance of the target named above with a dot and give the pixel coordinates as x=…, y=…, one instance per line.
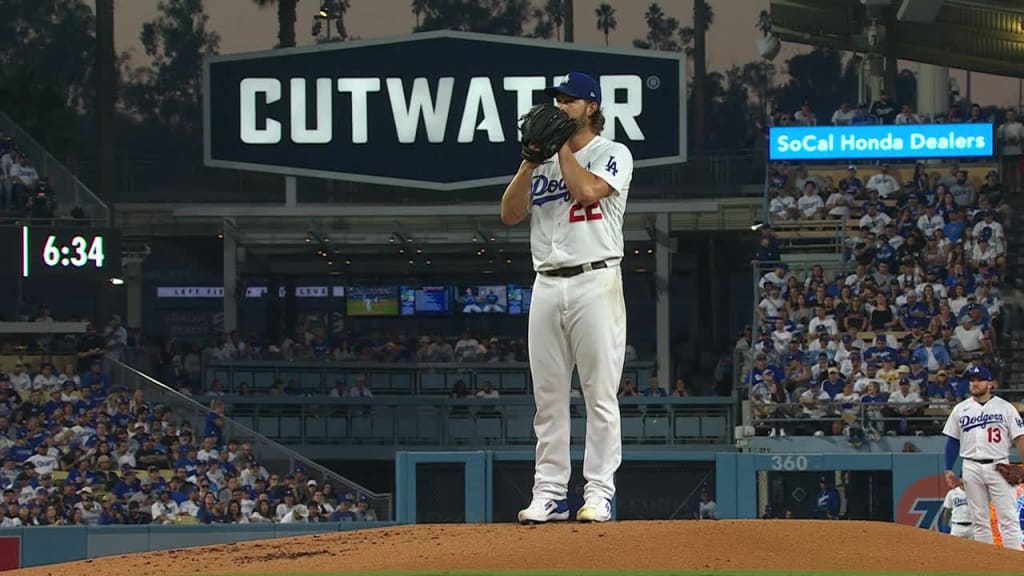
x=434, y=110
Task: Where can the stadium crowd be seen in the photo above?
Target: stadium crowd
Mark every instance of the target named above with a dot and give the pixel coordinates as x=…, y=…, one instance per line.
x=80, y=449
x=879, y=347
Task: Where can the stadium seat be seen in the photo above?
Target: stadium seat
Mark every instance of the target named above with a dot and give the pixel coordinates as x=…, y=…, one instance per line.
x=687, y=427
x=519, y=429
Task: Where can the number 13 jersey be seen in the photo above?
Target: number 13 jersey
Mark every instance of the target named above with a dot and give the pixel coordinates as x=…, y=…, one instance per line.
x=986, y=431
x=564, y=233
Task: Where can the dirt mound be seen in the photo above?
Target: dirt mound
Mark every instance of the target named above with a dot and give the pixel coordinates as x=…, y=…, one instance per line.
x=680, y=545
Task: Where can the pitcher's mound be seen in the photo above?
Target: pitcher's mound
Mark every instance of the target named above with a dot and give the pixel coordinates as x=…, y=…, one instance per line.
x=680, y=545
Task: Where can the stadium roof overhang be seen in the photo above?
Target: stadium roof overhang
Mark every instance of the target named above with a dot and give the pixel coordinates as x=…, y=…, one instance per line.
x=981, y=36
x=288, y=238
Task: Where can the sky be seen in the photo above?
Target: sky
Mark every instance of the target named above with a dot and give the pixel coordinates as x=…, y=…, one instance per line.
x=731, y=40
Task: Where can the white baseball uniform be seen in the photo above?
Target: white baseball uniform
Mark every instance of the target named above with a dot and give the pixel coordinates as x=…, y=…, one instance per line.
x=960, y=513
x=579, y=320
x=986, y=433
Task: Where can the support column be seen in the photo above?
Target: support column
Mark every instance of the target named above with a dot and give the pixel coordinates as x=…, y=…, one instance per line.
x=291, y=193
x=230, y=277
x=133, y=293
x=662, y=276
x=932, y=89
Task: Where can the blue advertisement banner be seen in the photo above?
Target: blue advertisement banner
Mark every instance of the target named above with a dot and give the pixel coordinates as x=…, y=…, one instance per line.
x=914, y=141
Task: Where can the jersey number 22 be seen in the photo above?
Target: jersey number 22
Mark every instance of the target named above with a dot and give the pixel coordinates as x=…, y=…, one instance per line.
x=580, y=214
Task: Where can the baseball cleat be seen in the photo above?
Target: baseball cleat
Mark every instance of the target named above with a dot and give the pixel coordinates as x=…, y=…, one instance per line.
x=541, y=511
x=595, y=510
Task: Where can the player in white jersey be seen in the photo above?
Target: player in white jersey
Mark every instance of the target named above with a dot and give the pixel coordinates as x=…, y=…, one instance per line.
x=981, y=430
x=957, y=513
x=575, y=202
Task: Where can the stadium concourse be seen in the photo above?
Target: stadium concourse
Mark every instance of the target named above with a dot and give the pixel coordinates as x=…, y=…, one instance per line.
x=80, y=448
x=874, y=341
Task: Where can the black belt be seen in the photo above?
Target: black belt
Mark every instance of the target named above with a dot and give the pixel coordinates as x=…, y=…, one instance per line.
x=575, y=270
x=983, y=461
x=962, y=524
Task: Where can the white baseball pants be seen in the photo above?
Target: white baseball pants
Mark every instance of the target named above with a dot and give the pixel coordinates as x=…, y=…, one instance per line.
x=578, y=321
x=965, y=532
x=983, y=483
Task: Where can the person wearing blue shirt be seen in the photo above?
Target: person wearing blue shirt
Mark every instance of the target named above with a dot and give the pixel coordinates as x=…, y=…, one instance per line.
x=956, y=224
x=827, y=507
x=95, y=375
x=913, y=314
x=834, y=383
x=128, y=485
x=881, y=351
x=942, y=389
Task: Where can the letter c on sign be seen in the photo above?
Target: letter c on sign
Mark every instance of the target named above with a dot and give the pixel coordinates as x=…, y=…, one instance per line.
x=247, y=129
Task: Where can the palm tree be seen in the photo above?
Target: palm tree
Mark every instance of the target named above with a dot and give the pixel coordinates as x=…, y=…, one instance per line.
x=606, y=19
x=702, y=19
x=285, y=20
x=419, y=7
x=555, y=10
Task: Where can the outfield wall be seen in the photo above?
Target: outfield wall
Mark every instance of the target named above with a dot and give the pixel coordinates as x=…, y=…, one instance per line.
x=39, y=545
x=473, y=486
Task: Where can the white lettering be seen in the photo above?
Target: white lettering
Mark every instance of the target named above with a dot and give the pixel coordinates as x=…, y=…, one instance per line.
x=480, y=94
x=248, y=91
x=625, y=112
x=324, y=117
x=359, y=87
x=524, y=87
x=407, y=116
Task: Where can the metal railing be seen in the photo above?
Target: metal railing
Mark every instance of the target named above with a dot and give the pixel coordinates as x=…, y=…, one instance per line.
x=387, y=378
x=68, y=189
x=440, y=422
x=271, y=455
x=798, y=419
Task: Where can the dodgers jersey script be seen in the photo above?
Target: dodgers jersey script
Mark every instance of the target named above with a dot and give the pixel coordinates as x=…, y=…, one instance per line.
x=564, y=233
x=985, y=431
x=956, y=502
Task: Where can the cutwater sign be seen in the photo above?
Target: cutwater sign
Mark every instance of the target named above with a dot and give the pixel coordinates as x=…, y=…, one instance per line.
x=896, y=141
x=436, y=110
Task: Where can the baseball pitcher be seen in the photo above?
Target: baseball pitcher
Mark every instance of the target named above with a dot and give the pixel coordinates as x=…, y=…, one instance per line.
x=573, y=184
x=981, y=430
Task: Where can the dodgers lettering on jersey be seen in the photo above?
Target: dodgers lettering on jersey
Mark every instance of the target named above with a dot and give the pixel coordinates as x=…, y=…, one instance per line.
x=564, y=233
x=956, y=501
x=986, y=431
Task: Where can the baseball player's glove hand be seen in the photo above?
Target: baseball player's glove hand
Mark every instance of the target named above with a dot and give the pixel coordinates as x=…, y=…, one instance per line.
x=1014, y=473
x=545, y=129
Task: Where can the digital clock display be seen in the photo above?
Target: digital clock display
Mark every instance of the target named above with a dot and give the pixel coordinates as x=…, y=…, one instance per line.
x=75, y=251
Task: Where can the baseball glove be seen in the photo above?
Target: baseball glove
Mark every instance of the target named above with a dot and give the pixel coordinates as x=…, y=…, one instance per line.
x=545, y=129
x=1014, y=473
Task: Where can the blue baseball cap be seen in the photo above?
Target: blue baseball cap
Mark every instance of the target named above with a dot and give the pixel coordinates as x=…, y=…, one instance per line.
x=577, y=85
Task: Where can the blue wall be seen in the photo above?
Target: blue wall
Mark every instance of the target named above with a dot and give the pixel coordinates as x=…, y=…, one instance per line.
x=42, y=545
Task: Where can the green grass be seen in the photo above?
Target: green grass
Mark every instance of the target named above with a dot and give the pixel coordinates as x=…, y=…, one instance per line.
x=620, y=572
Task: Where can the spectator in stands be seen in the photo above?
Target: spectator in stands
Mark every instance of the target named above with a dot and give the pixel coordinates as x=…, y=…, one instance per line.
x=1010, y=136
x=782, y=206
x=804, y=116
x=810, y=205
x=884, y=108
x=843, y=115
x=883, y=182
x=863, y=116
x=23, y=178
x=906, y=404
x=907, y=116
x=41, y=202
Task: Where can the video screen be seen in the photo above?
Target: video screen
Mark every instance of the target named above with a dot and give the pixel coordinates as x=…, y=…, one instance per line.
x=426, y=301
x=519, y=299
x=371, y=301
x=482, y=300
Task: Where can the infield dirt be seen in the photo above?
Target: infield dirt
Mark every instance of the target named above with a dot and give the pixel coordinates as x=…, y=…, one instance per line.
x=679, y=545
